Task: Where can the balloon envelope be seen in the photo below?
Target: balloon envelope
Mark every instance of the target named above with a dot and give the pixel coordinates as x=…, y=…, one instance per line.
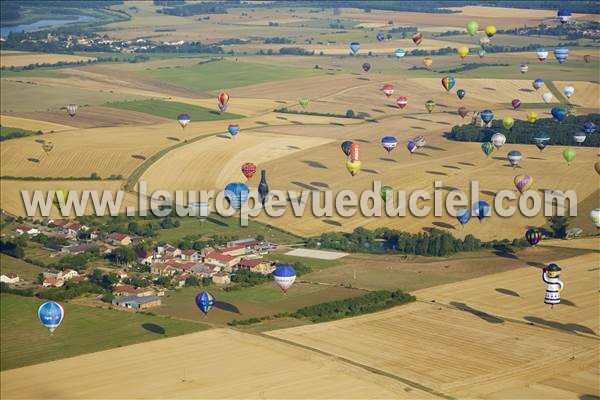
x=589, y=128
x=353, y=167
x=490, y=30
x=486, y=116
x=514, y=157
x=461, y=93
x=428, y=62
x=516, y=103
x=366, y=67
x=523, y=68
x=568, y=91
x=595, y=216
x=388, y=90
x=402, y=102
x=386, y=193
x=420, y=141
x=417, y=38
x=547, y=97
x=354, y=46
x=542, y=54
x=508, y=122
x=223, y=98
x=389, y=143
x=448, y=82
x=411, y=146
x=487, y=148
x=248, y=169
x=538, y=83
x=472, y=27
x=559, y=113
x=481, y=209
x=532, y=117
x=462, y=51
x=72, y=109
x=303, y=101
x=498, y=140
x=51, y=315
x=380, y=37
x=533, y=236
x=430, y=105
x=523, y=182
x=233, y=129
x=563, y=16
x=463, y=215
x=541, y=140
x=561, y=54
x=346, y=147
x=462, y=111
x=205, y=301
x=400, y=53
x=569, y=155
x=236, y=194
x=183, y=119
x=284, y=276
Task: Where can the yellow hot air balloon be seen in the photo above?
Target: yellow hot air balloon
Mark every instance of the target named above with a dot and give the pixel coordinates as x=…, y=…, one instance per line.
x=462, y=51
x=532, y=117
x=490, y=30
x=430, y=105
x=508, y=122
x=353, y=166
x=60, y=197
x=427, y=62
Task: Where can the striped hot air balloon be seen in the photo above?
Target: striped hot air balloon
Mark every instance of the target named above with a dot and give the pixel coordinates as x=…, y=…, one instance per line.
x=236, y=194
x=183, y=119
x=563, y=16
x=72, y=109
x=533, y=236
x=541, y=54
x=354, y=152
x=389, y=143
x=388, y=90
x=420, y=141
x=561, y=54
x=402, y=102
x=284, y=276
x=523, y=182
x=248, y=169
x=514, y=158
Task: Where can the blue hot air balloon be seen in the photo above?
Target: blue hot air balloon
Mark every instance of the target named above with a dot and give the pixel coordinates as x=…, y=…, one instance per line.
x=51, y=315
x=461, y=93
x=183, y=119
x=481, y=209
x=400, y=53
x=559, y=113
x=380, y=37
x=589, y=128
x=486, y=116
x=563, y=16
x=411, y=146
x=354, y=46
x=538, y=83
x=284, y=276
x=205, y=301
x=561, y=54
x=233, y=129
x=236, y=194
x=463, y=215
x=389, y=143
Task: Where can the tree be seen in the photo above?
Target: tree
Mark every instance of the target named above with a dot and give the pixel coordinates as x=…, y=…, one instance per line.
x=123, y=255
x=559, y=226
x=350, y=114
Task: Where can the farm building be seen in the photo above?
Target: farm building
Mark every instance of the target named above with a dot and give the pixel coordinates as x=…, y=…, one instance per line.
x=137, y=302
x=119, y=239
x=257, y=265
x=9, y=277
x=221, y=278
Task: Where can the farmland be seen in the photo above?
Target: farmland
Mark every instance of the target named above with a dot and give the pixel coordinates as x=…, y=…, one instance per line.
x=168, y=109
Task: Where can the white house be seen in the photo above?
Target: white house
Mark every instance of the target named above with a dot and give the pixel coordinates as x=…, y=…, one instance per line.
x=9, y=277
x=31, y=231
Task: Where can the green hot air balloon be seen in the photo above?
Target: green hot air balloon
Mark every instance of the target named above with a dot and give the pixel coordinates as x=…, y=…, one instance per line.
x=387, y=193
x=487, y=148
x=569, y=155
x=472, y=27
x=303, y=101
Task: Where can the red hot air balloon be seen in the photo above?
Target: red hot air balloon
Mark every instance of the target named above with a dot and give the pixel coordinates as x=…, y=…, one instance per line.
x=402, y=101
x=462, y=111
x=388, y=90
x=417, y=38
x=354, y=152
x=223, y=100
x=248, y=169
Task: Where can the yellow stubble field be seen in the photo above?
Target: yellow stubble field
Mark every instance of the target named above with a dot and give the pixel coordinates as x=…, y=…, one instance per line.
x=16, y=59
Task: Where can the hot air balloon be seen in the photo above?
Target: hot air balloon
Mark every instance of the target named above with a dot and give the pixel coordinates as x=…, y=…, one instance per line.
x=400, y=53
x=205, y=301
x=428, y=62
x=561, y=54
x=236, y=194
x=532, y=117
x=183, y=119
x=346, y=147
x=354, y=46
x=481, y=53
x=303, y=101
x=595, y=216
x=462, y=51
x=579, y=137
x=380, y=37
x=60, y=198
x=587, y=58
x=547, y=97
x=472, y=27
x=487, y=148
x=551, y=276
x=568, y=91
x=498, y=140
x=402, y=101
x=523, y=182
x=589, y=128
x=202, y=210
x=484, y=41
x=523, y=68
x=51, y=315
x=462, y=111
x=463, y=216
x=388, y=90
x=389, y=143
x=72, y=109
x=420, y=141
x=508, y=122
x=47, y=147
x=486, y=116
x=448, y=82
x=411, y=146
x=481, y=209
x=430, y=105
x=542, y=54
x=353, y=166
x=233, y=129
x=533, y=236
x=563, y=16
x=516, y=103
x=223, y=99
x=386, y=193
x=284, y=276
x=354, y=152
x=569, y=155
x=366, y=67
x=263, y=187
x=248, y=169
x=417, y=38
x=490, y=30
x=559, y=113
x=538, y=83
x=541, y=140
x=514, y=158
x=461, y=93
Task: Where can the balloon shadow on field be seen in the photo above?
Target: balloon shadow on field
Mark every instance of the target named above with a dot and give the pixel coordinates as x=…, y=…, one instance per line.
x=263, y=123
x=568, y=303
x=377, y=110
x=293, y=147
x=224, y=136
x=450, y=166
x=488, y=192
x=589, y=397
x=418, y=127
x=331, y=222
x=33, y=160
x=535, y=158
x=320, y=184
x=526, y=90
x=314, y=164
x=362, y=140
x=336, y=124
x=387, y=159
x=536, y=264
x=436, y=173
x=466, y=163
x=559, y=325
x=304, y=185
x=150, y=327
x=213, y=112
x=296, y=122
x=394, y=107
x=443, y=123
x=363, y=79
x=499, y=158
x=40, y=141
x=444, y=225
x=138, y=157
x=483, y=315
x=283, y=118
x=420, y=154
x=370, y=171
x=228, y=307
x=507, y=292
x=428, y=146
x=217, y=222
x=173, y=138
x=489, y=88
x=505, y=252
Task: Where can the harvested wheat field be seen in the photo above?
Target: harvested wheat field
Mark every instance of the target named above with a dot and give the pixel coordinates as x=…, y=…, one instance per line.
x=33, y=124
x=489, y=337
x=15, y=59
x=587, y=94
x=192, y=366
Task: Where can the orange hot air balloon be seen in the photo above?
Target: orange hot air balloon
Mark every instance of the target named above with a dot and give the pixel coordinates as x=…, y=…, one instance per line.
x=248, y=169
x=354, y=152
x=428, y=62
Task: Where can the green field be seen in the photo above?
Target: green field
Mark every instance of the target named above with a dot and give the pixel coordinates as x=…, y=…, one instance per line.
x=225, y=74
x=25, y=270
x=34, y=73
x=573, y=70
x=84, y=330
x=7, y=130
x=314, y=263
x=171, y=109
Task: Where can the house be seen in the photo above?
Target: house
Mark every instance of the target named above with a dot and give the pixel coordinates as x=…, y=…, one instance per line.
x=52, y=282
x=121, y=274
x=249, y=243
x=73, y=228
x=234, y=251
x=79, y=279
x=9, y=277
x=119, y=239
x=59, y=223
x=129, y=290
x=67, y=274
x=95, y=235
x=204, y=271
x=137, y=302
x=255, y=265
x=190, y=255
x=171, y=251
x=31, y=231
x=180, y=279
x=163, y=270
x=221, y=278
x=221, y=260
x=145, y=257
x=76, y=248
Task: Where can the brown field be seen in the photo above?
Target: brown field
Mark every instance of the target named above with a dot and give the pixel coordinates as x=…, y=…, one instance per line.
x=16, y=59
x=587, y=94
x=33, y=124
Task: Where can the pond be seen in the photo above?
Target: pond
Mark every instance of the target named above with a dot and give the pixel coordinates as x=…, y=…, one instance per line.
x=44, y=23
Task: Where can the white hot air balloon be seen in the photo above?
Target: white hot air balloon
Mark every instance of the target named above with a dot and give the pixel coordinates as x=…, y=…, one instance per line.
x=547, y=97
x=595, y=216
x=579, y=137
x=514, y=158
x=498, y=140
x=568, y=91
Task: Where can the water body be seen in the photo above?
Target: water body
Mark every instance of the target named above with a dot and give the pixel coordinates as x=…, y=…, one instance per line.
x=44, y=23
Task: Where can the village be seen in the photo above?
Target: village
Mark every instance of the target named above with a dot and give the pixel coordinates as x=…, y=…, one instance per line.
x=137, y=283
